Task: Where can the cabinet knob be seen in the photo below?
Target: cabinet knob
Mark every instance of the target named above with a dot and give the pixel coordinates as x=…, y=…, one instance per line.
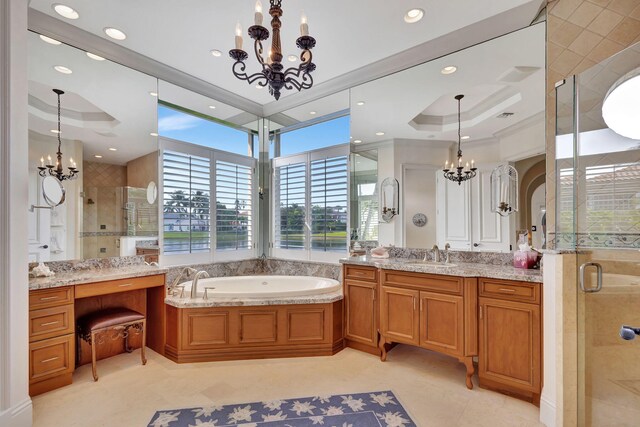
x=475, y=245
x=45, y=246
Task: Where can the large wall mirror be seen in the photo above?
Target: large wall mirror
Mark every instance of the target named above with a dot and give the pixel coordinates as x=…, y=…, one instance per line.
x=405, y=126
x=108, y=123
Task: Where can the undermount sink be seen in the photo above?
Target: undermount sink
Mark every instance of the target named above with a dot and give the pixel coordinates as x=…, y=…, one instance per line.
x=430, y=263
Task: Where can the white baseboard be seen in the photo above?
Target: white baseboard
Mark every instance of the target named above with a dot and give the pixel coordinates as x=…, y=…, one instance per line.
x=547, y=412
x=20, y=415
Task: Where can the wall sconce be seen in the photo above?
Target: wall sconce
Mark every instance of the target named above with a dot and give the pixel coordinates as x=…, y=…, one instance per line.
x=504, y=190
x=389, y=198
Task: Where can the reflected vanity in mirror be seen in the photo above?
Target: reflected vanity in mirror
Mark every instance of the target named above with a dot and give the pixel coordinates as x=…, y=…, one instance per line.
x=108, y=134
x=409, y=123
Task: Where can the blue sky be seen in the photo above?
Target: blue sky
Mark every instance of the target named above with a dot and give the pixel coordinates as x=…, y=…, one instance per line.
x=321, y=135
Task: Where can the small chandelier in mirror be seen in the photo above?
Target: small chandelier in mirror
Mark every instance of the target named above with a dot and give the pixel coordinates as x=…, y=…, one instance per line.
x=57, y=170
x=460, y=172
x=504, y=190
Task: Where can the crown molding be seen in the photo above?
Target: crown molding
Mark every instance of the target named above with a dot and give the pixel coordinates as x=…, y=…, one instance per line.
x=44, y=24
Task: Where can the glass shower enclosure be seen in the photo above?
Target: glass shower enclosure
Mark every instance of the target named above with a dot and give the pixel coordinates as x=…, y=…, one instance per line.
x=597, y=217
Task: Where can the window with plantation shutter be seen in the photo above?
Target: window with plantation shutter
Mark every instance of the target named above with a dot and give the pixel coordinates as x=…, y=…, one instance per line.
x=186, y=203
x=329, y=198
x=290, y=189
x=234, y=205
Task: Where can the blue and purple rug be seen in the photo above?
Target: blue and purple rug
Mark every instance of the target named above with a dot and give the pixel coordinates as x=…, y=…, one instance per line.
x=349, y=410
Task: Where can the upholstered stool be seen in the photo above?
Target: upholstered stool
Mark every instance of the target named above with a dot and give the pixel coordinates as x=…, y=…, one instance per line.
x=93, y=327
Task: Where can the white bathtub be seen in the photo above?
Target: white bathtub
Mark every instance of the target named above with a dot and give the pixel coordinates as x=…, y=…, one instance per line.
x=263, y=286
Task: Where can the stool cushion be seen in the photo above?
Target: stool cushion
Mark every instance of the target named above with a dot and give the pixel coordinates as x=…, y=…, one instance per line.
x=108, y=317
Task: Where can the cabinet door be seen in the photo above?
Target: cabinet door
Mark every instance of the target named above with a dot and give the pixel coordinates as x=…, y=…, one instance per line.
x=510, y=343
x=453, y=213
x=398, y=315
x=360, y=300
x=490, y=231
x=442, y=323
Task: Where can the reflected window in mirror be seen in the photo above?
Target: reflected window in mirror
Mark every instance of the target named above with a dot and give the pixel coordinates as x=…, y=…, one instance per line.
x=209, y=178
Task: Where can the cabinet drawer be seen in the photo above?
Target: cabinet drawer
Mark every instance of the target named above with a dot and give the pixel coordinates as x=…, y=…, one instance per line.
x=511, y=291
x=367, y=274
x=441, y=284
x=52, y=297
x=50, y=322
x=122, y=285
x=50, y=358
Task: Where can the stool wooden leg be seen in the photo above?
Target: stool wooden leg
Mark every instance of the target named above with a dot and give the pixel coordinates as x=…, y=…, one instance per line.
x=144, y=342
x=94, y=367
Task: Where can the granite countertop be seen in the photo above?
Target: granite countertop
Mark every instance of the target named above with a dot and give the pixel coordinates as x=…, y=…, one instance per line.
x=187, y=302
x=80, y=277
x=156, y=247
x=461, y=269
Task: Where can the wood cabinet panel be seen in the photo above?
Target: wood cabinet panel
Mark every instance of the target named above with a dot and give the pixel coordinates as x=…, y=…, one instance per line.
x=51, y=357
x=121, y=285
x=361, y=324
x=44, y=298
x=510, y=344
x=427, y=282
x=259, y=326
x=365, y=274
x=441, y=323
x=508, y=290
x=204, y=328
x=51, y=322
x=305, y=325
x=398, y=320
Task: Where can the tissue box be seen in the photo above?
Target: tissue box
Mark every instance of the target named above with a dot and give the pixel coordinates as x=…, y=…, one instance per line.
x=525, y=260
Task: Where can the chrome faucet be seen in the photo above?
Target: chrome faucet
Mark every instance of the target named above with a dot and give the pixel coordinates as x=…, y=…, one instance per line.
x=194, y=283
x=186, y=272
x=436, y=253
x=447, y=247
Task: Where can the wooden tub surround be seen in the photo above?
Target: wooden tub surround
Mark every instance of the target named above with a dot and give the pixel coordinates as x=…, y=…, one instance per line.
x=497, y=322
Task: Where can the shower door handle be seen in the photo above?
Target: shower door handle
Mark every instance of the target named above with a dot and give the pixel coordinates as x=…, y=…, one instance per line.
x=598, y=267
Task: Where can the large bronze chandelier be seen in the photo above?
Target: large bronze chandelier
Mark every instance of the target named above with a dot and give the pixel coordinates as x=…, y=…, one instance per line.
x=273, y=73
x=459, y=173
x=57, y=170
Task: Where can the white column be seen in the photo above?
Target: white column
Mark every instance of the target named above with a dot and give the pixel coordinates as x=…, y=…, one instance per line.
x=552, y=278
x=15, y=404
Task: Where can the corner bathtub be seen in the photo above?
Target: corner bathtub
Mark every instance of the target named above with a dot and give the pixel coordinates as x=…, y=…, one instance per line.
x=254, y=317
x=262, y=286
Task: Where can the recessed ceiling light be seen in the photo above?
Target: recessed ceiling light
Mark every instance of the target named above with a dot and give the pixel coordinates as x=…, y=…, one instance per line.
x=313, y=113
x=292, y=58
x=380, y=133
x=449, y=69
x=153, y=93
x=95, y=57
x=115, y=33
x=216, y=53
x=213, y=107
x=55, y=131
x=50, y=40
x=465, y=137
x=620, y=107
x=357, y=141
x=62, y=69
x=153, y=134
x=65, y=11
x=98, y=156
x=413, y=16
x=113, y=149
x=360, y=103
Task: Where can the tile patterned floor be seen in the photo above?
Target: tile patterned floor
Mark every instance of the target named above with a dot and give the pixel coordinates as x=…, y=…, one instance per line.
x=430, y=387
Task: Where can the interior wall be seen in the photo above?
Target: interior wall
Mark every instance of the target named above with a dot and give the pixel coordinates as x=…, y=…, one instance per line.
x=419, y=195
x=143, y=170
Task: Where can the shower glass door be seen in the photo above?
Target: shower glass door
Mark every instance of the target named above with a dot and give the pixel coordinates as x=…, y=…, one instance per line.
x=606, y=198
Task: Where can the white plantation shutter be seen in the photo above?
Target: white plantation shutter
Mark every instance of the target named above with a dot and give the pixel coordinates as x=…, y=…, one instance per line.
x=329, y=199
x=290, y=215
x=234, y=204
x=186, y=203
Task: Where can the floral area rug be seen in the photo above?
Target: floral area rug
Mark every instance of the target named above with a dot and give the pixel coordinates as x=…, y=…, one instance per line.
x=377, y=409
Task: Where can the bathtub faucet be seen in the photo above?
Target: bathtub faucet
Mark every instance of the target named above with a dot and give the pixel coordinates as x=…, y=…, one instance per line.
x=186, y=272
x=194, y=283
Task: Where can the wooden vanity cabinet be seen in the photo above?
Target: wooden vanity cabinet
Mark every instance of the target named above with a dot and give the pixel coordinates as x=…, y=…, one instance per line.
x=361, y=308
x=510, y=355
x=435, y=312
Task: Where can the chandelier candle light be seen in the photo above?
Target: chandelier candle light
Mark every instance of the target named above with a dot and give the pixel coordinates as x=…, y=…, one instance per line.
x=272, y=73
x=57, y=169
x=459, y=173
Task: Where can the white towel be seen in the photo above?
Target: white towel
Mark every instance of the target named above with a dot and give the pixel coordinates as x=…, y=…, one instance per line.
x=380, y=252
